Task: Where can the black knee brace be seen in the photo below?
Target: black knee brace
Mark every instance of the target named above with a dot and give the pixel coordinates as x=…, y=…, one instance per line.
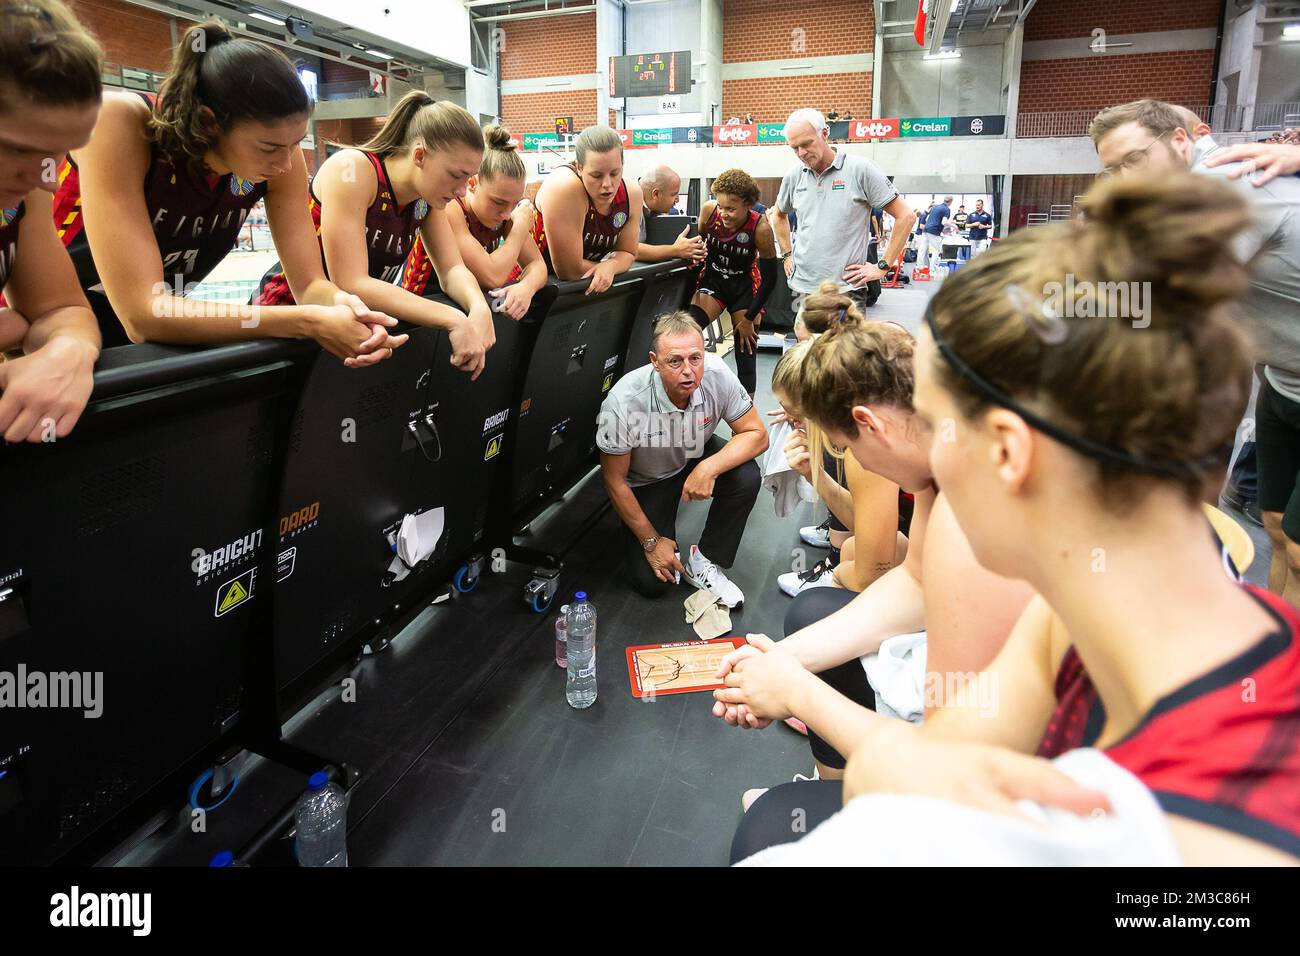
x=699, y=315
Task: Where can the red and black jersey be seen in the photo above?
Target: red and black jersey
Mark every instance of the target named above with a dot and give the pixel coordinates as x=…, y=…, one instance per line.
x=419, y=267
x=599, y=232
x=1223, y=750
x=391, y=231
x=10, y=219
x=731, y=252
x=196, y=220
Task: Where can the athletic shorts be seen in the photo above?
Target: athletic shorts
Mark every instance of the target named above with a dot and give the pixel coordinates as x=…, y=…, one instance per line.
x=1277, y=451
x=736, y=293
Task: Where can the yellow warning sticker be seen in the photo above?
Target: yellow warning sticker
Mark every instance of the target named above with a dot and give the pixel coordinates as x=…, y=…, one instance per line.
x=235, y=592
x=493, y=447
x=609, y=380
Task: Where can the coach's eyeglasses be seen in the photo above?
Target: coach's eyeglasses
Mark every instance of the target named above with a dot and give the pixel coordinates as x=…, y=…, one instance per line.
x=1134, y=160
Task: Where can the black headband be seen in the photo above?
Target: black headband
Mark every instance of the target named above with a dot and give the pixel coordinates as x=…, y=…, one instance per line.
x=1084, y=446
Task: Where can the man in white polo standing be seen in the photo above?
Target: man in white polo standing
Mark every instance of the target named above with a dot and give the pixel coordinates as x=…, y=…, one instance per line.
x=833, y=193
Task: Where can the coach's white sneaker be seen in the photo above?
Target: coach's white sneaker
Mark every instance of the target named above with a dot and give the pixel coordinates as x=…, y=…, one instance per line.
x=703, y=573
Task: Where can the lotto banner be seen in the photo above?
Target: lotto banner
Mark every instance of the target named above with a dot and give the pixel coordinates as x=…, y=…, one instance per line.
x=873, y=129
x=736, y=135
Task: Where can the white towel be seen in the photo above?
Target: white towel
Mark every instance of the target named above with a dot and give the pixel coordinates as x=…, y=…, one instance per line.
x=897, y=675
x=893, y=830
x=788, y=487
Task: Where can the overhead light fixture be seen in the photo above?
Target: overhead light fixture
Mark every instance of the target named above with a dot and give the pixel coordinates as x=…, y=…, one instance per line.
x=381, y=54
x=1291, y=31
x=944, y=55
x=258, y=15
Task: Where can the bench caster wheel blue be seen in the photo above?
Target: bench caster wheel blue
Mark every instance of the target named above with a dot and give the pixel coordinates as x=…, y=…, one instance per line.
x=463, y=580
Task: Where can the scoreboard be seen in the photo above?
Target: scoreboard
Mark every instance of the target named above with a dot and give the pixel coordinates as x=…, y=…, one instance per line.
x=650, y=74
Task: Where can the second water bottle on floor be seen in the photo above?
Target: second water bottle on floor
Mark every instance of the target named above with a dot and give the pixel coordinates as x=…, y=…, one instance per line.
x=322, y=823
x=580, y=689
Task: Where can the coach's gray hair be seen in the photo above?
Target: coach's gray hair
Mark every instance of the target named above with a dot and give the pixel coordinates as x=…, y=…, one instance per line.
x=675, y=323
x=805, y=115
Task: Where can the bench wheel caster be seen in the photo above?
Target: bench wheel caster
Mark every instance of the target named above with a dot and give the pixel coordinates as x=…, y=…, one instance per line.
x=203, y=797
x=540, y=591
x=464, y=580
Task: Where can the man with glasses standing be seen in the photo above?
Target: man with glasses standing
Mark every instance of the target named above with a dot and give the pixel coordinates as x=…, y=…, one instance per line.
x=1161, y=137
x=657, y=449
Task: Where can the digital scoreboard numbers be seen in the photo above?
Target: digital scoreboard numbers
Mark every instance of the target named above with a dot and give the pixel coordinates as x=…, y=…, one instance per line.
x=650, y=74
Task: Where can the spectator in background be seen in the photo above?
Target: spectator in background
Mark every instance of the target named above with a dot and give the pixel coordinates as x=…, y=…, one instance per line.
x=981, y=224
x=834, y=193
x=660, y=187
x=833, y=116
x=749, y=119
x=959, y=220
x=939, y=216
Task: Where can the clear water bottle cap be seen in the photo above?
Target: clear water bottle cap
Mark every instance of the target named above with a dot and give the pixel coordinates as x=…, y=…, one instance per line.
x=224, y=858
x=318, y=781
x=564, y=610
x=580, y=597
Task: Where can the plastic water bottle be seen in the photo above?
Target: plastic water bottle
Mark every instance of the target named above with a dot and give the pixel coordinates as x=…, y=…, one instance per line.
x=562, y=638
x=581, y=688
x=322, y=823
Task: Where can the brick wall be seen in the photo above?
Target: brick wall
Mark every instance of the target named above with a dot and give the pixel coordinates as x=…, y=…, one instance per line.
x=1062, y=19
x=776, y=29
x=536, y=112
x=758, y=30
x=1095, y=82
x=550, y=46
x=771, y=100
x=130, y=36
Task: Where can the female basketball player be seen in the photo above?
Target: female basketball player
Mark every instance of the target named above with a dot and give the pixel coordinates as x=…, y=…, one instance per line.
x=370, y=203
x=49, y=101
x=739, y=270
x=1075, y=456
x=588, y=218
x=493, y=227
x=161, y=190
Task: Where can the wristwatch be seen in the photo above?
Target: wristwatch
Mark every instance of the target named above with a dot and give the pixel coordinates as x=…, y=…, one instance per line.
x=650, y=543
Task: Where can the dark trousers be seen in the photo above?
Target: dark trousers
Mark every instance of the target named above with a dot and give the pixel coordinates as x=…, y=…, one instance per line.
x=734, y=494
x=1244, y=482
x=786, y=813
x=848, y=678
